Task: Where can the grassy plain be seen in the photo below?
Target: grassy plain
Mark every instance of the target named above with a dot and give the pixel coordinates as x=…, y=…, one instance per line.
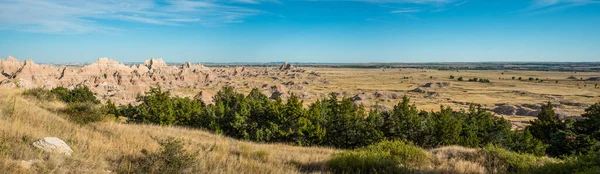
x=553, y=86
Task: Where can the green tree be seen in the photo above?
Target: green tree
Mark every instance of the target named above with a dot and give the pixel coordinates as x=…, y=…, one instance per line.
x=443, y=128
x=156, y=107
x=546, y=124
x=566, y=142
x=232, y=112
x=590, y=125
x=524, y=142
x=78, y=94
x=403, y=122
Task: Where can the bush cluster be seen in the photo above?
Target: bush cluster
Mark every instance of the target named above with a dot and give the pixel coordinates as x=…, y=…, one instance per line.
x=76, y=95
x=479, y=80
x=82, y=105
x=567, y=137
x=172, y=158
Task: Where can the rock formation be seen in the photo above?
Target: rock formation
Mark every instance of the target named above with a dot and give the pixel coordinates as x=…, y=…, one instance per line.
x=279, y=90
x=121, y=83
x=205, y=97
x=286, y=66
x=107, y=78
x=436, y=85
x=53, y=145
x=513, y=110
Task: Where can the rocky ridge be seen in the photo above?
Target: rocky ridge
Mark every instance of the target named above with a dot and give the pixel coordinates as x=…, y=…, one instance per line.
x=121, y=83
x=107, y=78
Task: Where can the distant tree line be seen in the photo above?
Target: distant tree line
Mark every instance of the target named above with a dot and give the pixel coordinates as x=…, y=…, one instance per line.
x=480, y=80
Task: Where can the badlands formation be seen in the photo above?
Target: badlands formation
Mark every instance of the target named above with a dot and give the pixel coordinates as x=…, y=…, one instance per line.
x=111, y=80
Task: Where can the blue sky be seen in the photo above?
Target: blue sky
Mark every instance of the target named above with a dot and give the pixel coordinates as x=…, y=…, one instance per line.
x=301, y=30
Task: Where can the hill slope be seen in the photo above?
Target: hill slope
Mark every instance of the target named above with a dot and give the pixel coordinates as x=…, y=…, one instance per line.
x=98, y=147
x=112, y=147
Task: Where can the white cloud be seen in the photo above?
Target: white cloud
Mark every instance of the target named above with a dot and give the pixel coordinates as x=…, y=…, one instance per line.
x=406, y=10
x=80, y=16
x=536, y=4
x=545, y=6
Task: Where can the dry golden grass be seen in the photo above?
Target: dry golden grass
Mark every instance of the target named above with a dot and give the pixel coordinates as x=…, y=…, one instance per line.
x=502, y=89
x=98, y=146
x=456, y=159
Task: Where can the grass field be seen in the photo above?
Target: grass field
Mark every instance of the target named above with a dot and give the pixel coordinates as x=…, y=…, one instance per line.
x=551, y=86
x=100, y=147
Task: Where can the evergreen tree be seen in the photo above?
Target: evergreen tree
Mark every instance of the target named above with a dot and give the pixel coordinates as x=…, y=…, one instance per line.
x=546, y=124
x=403, y=122
x=590, y=125
x=566, y=142
x=155, y=107
x=524, y=142
x=443, y=128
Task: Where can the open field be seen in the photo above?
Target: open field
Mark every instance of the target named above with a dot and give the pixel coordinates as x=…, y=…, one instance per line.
x=571, y=95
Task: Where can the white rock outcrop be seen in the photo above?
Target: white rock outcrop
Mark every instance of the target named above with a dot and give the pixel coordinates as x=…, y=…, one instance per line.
x=53, y=145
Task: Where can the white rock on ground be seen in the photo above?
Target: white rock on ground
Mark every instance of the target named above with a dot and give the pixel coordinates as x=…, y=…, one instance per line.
x=53, y=145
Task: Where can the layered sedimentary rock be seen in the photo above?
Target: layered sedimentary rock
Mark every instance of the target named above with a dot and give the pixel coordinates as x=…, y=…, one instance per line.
x=107, y=78
x=112, y=80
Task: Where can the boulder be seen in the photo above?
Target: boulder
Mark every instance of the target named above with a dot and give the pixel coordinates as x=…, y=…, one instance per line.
x=53, y=145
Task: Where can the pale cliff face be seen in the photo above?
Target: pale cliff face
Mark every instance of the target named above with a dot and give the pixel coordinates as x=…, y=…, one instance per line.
x=105, y=77
x=113, y=80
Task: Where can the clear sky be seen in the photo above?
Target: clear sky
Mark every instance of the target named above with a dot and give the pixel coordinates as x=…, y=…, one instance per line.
x=301, y=30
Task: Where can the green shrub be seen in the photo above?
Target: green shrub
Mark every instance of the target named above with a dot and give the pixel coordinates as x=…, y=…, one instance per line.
x=40, y=94
x=499, y=160
x=524, y=142
x=172, y=158
x=586, y=163
x=79, y=94
x=84, y=112
x=383, y=157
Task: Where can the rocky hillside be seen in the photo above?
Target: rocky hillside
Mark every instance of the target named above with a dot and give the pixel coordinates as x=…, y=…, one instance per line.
x=109, y=79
